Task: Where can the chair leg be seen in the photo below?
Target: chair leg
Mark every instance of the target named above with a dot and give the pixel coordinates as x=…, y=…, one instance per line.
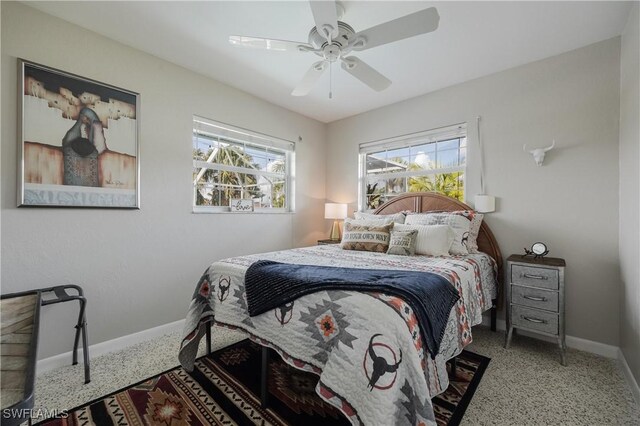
x=85, y=353
x=82, y=326
x=78, y=328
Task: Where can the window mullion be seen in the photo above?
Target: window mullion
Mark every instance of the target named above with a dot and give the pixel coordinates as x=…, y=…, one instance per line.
x=236, y=169
x=425, y=172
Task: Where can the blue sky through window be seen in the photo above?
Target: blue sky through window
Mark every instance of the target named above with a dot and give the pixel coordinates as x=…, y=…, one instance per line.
x=441, y=154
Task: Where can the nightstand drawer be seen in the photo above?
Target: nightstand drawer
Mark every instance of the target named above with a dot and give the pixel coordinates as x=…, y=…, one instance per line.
x=534, y=319
x=534, y=276
x=541, y=299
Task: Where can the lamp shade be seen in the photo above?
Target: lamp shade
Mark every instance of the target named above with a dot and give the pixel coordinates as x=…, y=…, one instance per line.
x=485, y=203
x=335, y=211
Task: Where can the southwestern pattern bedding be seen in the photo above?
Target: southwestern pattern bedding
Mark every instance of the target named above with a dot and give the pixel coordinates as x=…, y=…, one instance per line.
x=366, y=347
x=269, y=285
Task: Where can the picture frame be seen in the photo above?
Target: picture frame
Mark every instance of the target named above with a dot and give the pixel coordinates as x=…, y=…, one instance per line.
x=78, y=141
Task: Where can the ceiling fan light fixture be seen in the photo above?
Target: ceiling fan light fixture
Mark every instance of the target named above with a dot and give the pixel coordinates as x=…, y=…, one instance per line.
x=331, y=53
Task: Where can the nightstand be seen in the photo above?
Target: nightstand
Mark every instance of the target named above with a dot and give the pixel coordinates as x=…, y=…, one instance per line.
x=535, y=298
x=326, y=242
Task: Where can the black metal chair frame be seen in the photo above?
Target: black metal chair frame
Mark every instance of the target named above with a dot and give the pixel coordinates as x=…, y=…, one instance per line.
x=62, y=296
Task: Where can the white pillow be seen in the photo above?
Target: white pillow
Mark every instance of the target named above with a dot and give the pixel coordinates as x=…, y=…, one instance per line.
x=460, y=225
x=433, y=240
x=396, y=217
x=369, y=222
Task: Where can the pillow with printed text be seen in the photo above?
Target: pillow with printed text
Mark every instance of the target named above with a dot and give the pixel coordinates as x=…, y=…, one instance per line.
x=366, y=238
x=403, y=243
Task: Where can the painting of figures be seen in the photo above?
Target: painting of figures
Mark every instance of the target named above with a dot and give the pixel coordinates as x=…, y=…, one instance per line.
x=79, y=141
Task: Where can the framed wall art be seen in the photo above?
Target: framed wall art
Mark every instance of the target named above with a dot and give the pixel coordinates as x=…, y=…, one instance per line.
x=78, y=141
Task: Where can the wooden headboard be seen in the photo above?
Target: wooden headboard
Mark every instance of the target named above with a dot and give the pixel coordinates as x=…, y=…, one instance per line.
x=422, y=202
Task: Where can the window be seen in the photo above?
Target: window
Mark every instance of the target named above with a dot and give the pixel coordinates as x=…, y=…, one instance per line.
x=431, y=161
x=232, y=163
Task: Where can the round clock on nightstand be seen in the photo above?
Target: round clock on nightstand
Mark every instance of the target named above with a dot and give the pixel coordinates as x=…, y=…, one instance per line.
x=537, y=250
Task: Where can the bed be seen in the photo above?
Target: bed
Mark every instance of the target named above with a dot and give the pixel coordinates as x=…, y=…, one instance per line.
x=338, y=334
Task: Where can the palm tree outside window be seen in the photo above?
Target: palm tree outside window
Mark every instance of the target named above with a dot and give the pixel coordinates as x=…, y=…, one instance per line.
x=431, y=161
x=235, y=164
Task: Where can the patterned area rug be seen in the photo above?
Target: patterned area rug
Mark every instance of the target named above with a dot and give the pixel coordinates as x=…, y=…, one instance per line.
x=224, y=389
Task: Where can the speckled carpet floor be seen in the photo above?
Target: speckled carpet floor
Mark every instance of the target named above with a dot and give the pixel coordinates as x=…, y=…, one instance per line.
x=524, y=385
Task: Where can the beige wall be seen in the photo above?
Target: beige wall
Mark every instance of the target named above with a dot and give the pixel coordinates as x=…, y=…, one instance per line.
x=139, y=267
x=630, y=193
x=570, y=203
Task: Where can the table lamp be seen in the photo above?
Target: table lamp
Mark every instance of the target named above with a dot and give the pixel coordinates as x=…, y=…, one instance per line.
x=336, y=212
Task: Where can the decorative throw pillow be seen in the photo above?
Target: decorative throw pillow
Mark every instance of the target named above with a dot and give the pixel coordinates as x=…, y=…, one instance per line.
x=403, y=243
x=396, y=217
x=366, y=238
x=432, y=240
x=474, y=229
x=465, y=224
x=369, y=222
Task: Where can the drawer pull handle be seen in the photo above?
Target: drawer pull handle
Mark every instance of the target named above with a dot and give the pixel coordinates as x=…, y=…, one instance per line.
x=536, y=320
x=535, y=299
x=535, y=277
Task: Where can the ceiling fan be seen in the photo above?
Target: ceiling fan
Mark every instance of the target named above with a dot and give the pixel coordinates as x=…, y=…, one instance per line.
x=333, y=40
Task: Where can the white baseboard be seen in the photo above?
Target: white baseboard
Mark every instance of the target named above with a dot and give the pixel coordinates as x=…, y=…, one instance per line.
x=597, y=348
x=602, y=349
x=48, y=364
x=633, y=384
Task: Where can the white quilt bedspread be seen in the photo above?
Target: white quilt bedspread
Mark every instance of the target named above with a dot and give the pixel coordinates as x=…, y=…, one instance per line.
x=339, y=334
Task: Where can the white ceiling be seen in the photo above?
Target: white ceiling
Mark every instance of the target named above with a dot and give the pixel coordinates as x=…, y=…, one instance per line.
x=474, y=39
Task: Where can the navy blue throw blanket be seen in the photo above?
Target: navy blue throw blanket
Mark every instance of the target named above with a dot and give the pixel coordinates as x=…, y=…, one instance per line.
x=272, y=284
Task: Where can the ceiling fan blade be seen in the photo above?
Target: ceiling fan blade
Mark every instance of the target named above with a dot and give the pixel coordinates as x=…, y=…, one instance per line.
x=410, y=25
x=326, y=17
x=310, y=78
x=365, y=73
x=270, y=44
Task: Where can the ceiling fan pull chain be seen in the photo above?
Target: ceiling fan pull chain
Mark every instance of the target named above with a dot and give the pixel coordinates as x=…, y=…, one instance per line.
x=330, y=80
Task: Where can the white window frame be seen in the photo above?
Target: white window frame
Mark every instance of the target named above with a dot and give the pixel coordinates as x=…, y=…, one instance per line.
x=406, y=141
x=214, y=129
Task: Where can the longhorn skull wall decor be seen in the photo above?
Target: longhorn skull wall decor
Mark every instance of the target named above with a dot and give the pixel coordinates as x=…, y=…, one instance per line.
x=538, y=153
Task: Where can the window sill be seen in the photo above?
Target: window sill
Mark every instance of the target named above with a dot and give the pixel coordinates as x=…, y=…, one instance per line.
x=259, y=212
